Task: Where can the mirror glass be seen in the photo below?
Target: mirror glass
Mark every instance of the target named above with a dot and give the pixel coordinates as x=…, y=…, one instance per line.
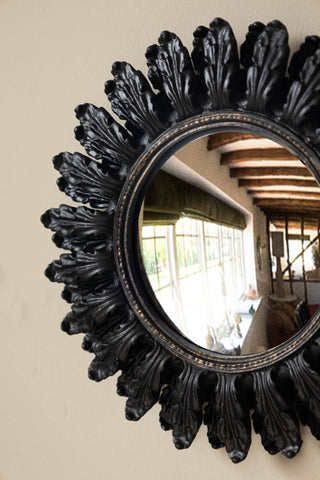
x=229, y=235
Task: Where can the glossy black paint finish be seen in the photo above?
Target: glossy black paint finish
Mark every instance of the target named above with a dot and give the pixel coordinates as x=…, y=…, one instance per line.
x=210, y=90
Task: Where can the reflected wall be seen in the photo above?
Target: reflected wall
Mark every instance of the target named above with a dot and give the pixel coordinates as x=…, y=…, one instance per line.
x=207, y=225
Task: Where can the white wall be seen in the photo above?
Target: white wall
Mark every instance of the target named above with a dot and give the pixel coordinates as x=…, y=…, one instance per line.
x=207, y=163
x=55, y=423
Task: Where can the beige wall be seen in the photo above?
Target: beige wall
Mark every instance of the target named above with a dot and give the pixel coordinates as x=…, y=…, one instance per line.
x=55, y=423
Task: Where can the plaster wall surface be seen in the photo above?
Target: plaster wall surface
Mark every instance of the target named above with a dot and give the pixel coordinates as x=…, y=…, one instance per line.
x=55, y=423
x=207, y=163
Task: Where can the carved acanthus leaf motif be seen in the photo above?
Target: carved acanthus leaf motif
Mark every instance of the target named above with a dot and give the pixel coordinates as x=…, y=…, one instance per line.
x=302, y=108
x=171, y=72
x=143, y=381
x=113, y=348
x=84, y=272
x=133, y=100
x=228, y=420
x=266, y=72
x=86, y=181
x=247, y=48
x=307, y=49
x=96, y=311
x=181, y=409
x=215, y=57
x=101, y=309
x=79, y=228
x=307, y=384
x=104, y=139
x=273, y=418
x=314, y=137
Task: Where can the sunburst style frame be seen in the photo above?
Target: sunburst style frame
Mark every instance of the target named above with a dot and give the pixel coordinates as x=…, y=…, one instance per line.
x=210, y=91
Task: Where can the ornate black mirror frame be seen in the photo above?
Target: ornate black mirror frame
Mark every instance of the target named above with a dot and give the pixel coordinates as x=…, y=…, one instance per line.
x=210, y=91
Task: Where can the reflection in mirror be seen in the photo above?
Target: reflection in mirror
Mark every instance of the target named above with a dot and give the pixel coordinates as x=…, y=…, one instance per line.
x=229, y=234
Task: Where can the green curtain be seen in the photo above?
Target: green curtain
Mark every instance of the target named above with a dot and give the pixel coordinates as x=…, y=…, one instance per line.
x=169, y=198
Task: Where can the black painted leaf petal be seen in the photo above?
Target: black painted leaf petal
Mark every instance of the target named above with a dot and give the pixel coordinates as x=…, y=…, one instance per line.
x=87, y=181
x=97, y=311
x=302, y=107
x=182, y=406
x=314, y=137
x=133, y=100
x=307, y=49
x=228, y=419
x=87, y=272
x=73, y=293
x=143, y=381
x=273, y=418
x=266, y=73
x=307, y=383
x=247, y=48
x=171, y=72
x=79, y=228
x=104, y=139
x=115, y=347
x=215, y=57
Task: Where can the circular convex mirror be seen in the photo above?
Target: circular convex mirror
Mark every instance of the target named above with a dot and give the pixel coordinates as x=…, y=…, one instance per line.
x=229, y=237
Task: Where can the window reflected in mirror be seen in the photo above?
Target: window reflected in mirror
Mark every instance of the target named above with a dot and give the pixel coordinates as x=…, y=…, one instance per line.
x=229, y=234
x=188, y=265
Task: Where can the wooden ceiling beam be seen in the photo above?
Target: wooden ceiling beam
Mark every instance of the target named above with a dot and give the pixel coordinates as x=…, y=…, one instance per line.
x=296, y=224
x=280, y=194
x=247, y=172
x=273, y=182
x=282, y=203
x=219, y=139
x=292, y=212
x=257, y=155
